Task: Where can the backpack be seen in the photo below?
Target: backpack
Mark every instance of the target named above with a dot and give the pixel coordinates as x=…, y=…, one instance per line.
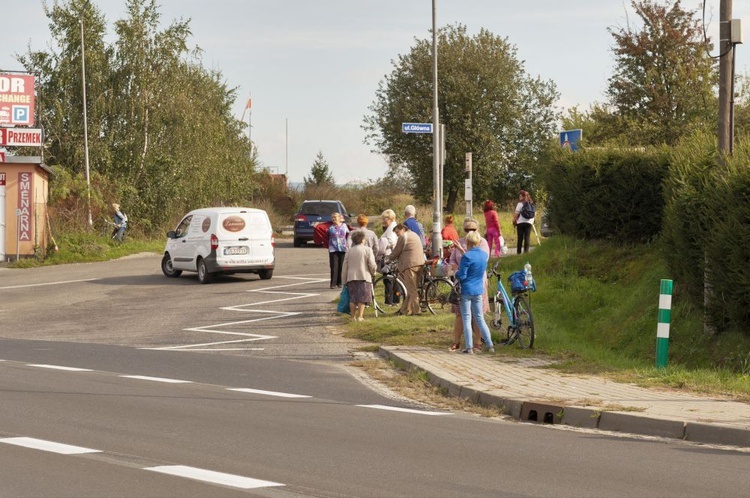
x=528, y=210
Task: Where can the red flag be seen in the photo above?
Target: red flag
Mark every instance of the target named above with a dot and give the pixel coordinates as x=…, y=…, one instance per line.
x=249, y=103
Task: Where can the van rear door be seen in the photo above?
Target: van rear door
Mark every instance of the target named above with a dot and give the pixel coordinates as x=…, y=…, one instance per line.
x=261, y=238
x=245, y=239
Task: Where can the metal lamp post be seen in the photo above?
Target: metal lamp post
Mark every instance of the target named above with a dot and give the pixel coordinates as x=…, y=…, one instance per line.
x=85, y=123
x=437, y=214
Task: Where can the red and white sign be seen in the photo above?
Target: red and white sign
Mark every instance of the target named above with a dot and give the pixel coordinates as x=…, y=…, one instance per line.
x=16, y=99
x=2, y=160
x=24, y=206
x=21, y=137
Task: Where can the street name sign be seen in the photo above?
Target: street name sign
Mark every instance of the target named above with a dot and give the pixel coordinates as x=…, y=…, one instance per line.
x=416, y=127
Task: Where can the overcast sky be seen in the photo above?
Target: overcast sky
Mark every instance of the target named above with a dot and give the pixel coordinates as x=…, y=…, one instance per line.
x=317, y=64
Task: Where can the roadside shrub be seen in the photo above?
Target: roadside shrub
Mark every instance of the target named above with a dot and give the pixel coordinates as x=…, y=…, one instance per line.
x=706, y=230
x=606, y=193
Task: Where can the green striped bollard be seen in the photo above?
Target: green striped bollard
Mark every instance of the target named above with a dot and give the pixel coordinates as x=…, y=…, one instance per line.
x=662, y=329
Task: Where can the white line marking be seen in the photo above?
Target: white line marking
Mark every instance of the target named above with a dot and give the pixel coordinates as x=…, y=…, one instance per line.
x=49, y=283
x=232, y=480
x=176, y=348
x=405, y=410
x=269, y=315
x=40, y=444
x=156, y=379
x=58, y=367
x=267, y=393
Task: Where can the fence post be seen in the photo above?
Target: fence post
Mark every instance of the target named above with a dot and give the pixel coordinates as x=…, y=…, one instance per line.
x=662, y=328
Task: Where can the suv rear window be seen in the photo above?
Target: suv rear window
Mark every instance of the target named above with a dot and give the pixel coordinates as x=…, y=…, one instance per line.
x=319, y=208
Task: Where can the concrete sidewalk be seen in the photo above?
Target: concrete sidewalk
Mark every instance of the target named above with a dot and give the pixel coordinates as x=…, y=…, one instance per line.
x=531, y=393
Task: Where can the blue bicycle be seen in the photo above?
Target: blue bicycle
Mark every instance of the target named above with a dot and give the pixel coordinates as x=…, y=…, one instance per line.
x=517, y=309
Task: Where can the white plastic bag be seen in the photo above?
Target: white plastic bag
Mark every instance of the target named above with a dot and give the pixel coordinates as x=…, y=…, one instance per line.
x=503, y=247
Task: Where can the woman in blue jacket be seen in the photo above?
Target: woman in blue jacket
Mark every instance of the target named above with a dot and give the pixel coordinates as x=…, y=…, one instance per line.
x=470, y=273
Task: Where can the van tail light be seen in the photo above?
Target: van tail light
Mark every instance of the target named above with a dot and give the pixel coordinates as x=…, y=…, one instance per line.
x=273, y=240
x=214, y=242
x=300, y=217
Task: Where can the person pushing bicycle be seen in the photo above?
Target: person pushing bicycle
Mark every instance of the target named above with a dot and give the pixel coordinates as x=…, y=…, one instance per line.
x=121, y=223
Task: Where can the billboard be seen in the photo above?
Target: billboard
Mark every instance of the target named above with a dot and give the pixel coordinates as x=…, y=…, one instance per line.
x=16, y=99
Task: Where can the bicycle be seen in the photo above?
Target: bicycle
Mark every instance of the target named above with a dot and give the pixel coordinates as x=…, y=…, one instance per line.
x=109, y=229
x=389, y=290
x=517, y=309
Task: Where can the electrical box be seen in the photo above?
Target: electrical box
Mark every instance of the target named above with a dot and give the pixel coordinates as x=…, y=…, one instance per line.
x=735, y=31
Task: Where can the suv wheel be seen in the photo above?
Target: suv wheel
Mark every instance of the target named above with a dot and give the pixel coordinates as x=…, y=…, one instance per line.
x=298, y=242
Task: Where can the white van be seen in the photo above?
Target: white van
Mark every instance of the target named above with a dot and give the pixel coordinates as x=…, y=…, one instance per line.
x=221, y=240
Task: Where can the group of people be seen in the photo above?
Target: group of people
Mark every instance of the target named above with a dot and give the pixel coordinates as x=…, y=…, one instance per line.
x=354, y=259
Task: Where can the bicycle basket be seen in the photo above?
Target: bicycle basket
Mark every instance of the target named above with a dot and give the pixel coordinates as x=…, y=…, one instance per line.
x=442, y=269
x=517, y=282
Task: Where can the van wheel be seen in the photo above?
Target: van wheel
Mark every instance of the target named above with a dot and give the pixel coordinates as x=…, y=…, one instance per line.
x=297, y=242
x=204, y=276
x=167, y=268
x=265, y=274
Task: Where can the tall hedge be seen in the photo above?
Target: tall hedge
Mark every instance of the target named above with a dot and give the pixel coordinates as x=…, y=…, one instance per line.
x=607, y=193
x=706, y=230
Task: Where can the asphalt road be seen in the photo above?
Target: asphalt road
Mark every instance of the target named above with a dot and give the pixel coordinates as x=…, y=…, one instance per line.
x=116, y=381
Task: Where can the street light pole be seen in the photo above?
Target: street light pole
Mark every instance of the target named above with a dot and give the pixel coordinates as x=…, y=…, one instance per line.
x=85, y=124
x=437, y=214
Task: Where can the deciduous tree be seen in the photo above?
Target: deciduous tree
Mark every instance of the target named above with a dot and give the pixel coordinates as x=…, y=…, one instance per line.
x=488, y=103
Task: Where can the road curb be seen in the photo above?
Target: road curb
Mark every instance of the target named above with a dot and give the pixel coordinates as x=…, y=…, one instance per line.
x=529, y=410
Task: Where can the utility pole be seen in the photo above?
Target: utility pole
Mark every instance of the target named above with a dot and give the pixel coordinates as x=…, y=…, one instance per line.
x=726, y=61
x=85, y=122
x=437, y=214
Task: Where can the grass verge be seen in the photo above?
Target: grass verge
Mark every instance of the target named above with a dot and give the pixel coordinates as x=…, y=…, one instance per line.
x=596, y=313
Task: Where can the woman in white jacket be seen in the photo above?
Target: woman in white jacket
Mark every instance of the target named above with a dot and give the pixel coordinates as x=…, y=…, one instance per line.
x=386, y=243
x=389, y=238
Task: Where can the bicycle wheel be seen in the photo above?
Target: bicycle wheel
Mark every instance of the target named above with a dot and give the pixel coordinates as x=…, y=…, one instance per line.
x=436, y=295
x=525, y=322
x=388, y=291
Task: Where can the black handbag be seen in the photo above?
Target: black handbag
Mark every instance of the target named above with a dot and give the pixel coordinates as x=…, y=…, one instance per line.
x=455, y=296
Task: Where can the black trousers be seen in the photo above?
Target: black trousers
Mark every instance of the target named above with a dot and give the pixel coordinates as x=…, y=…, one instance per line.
x=524, y=237
x=336, y=261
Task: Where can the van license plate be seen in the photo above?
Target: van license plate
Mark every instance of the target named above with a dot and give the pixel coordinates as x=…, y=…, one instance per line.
x=235, y=250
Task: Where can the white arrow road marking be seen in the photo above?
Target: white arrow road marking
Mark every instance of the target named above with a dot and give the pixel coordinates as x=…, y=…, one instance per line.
x=243, y=308
x=232, y=480
x=40, y=444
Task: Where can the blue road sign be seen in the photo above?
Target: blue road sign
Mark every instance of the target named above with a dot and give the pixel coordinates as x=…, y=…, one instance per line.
x=416, y=127
x=570, y=139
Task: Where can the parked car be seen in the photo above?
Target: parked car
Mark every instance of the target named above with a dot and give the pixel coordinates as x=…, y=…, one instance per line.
x=312, y=213
x=221, y=240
